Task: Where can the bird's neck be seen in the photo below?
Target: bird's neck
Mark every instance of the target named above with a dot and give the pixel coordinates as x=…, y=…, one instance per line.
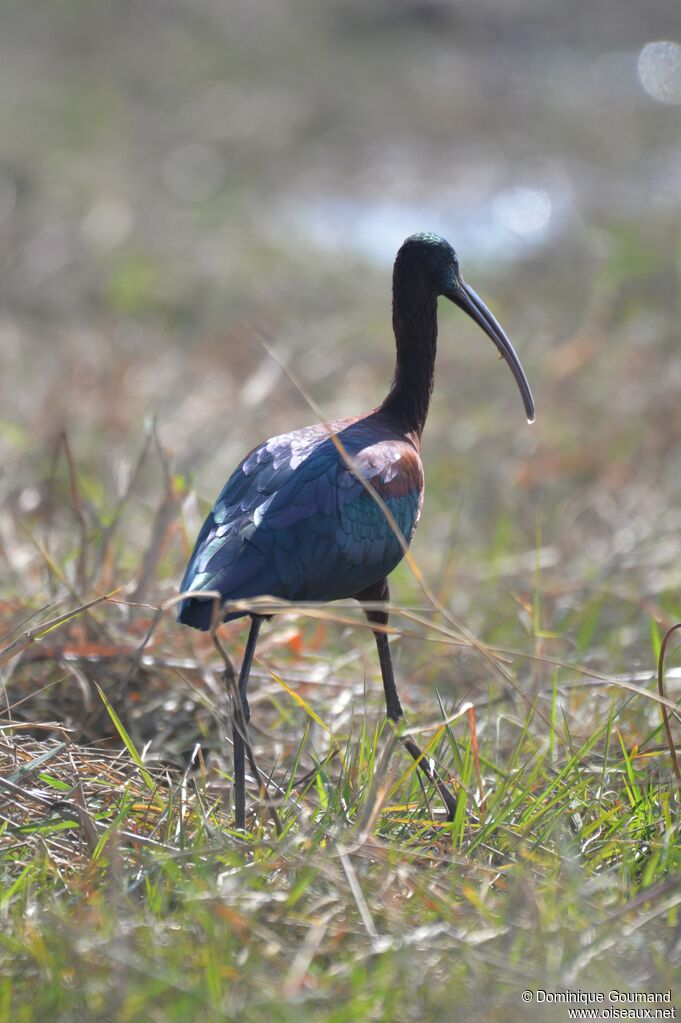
x=415, y=326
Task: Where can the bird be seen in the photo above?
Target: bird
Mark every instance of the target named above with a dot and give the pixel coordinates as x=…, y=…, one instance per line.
x=311, y=515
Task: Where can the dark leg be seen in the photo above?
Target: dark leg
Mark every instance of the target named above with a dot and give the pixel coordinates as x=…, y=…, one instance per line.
x=392, y=700
x=241, y=715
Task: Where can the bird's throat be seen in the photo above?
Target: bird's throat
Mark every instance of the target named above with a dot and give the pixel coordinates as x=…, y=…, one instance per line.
x=415, y=326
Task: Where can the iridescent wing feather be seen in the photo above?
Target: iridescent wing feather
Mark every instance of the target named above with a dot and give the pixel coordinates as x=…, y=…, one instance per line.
x=294, y=521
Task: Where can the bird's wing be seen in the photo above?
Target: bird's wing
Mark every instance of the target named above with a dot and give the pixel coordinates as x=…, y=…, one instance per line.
x=294, y=521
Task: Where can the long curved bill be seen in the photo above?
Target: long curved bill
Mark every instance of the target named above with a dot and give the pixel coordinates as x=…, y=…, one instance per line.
x=466, y=299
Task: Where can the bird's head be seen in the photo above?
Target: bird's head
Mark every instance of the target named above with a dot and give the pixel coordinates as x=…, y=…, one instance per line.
x=431, y=260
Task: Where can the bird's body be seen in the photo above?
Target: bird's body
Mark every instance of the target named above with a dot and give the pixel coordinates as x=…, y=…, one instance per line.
x=303, y=516
x=294, y=521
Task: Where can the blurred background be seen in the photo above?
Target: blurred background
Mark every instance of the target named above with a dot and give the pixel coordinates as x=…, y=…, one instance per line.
x=181, y=181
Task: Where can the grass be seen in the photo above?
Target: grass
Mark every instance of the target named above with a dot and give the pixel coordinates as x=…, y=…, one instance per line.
x=367, y=906
x=126, y=892
x=128, y=895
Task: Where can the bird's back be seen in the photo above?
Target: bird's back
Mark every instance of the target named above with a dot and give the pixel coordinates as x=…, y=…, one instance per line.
x=294, y=521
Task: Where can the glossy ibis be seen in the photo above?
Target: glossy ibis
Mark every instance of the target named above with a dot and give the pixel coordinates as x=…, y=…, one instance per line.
x=294, y=520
